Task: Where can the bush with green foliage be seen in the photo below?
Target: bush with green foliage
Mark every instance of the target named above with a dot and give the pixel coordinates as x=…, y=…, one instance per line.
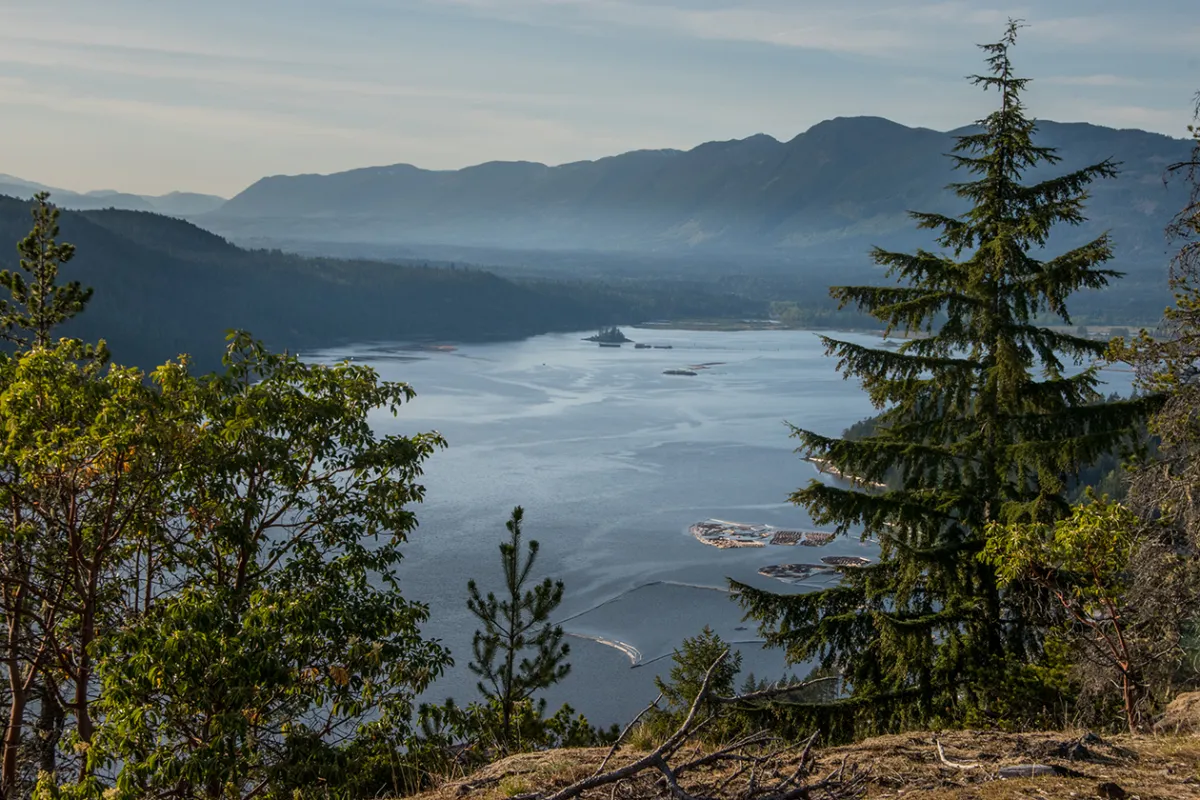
x=1166, y=488
x=199, y=573
x=729, y=718
x=1084, y=562
x=267, y=630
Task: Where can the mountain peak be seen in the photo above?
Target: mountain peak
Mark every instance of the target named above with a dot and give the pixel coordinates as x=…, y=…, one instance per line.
x=856, y=126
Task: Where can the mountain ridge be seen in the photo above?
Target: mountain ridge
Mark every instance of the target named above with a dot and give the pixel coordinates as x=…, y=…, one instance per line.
x=176, y=203
x=840, y=187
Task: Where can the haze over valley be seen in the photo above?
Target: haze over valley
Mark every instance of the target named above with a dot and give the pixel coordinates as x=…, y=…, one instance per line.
x=726, y=228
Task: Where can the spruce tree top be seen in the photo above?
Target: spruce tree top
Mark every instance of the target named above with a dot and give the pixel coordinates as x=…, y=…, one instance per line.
x=38, y=304
x=983, y=392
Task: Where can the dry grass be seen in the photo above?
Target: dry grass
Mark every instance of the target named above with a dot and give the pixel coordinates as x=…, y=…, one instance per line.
x=908, y=765
x=525, y=772
x=1147, y=768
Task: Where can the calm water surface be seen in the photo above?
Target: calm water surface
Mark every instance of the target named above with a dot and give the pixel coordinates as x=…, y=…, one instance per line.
x=612, y=460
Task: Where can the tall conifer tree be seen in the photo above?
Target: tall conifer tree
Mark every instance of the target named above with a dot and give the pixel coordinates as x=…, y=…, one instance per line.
x=980, y=423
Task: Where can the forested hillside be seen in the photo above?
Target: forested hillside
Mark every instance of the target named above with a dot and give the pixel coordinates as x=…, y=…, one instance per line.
x=164, y=286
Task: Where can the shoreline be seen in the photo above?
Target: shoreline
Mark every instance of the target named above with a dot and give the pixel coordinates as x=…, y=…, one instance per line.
x=825, y=467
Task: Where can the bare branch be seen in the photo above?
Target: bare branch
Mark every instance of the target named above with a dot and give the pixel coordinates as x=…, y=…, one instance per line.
x=942, y=757
x=764, y=781
x=625, y=733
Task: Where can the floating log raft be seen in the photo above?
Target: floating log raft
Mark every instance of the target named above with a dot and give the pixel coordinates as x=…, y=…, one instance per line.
x=722, y=533
x=805, y=538
x=793, y=573
x=846, y=561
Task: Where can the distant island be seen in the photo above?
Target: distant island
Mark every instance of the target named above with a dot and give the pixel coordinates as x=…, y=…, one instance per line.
x=611, y=335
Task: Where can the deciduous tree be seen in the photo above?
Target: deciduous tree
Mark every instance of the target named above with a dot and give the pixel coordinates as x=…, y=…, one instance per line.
x=1084, y=561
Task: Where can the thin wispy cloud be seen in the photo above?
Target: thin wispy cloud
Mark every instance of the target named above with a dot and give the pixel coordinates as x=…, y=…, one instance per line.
x=224, y=74
x=869, y=27
x=873, y=29
x=144, y=96
x=1102, y=81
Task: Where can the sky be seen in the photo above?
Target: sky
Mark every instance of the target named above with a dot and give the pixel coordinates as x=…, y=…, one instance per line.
x=151, y=96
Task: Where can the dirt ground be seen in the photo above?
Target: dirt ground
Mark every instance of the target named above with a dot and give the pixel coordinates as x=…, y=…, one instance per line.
x=909, y=765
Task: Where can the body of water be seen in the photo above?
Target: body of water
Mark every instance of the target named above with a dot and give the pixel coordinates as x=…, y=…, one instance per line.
x=612, y=461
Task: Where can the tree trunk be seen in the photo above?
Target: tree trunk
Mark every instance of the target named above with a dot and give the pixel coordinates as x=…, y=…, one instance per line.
x=1127, y=689
x=12, y=733
x=83, y=677
x=49, y=727
x=19, y=692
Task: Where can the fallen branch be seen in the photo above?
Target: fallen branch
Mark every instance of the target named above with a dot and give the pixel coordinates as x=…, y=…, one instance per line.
x=728, y=753
x=652, y=759
x=625, y=733
x=773, y=692
x=765, y=781
x=942, y=757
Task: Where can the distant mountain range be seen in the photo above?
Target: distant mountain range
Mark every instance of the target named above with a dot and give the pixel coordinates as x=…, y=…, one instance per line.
x=175, y=204
x=826, y=196
x=831, y=192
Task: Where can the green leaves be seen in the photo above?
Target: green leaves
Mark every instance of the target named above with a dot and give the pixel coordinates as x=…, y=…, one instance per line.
x=1086, y=553
x=219, y=555
x=1084, y=562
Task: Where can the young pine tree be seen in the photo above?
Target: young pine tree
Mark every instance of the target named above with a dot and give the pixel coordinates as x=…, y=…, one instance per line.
x=981, y=424
x=38, y=303
x=518, y=623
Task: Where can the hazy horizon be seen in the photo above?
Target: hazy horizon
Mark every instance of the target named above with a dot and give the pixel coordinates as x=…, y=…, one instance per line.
x=151, y=98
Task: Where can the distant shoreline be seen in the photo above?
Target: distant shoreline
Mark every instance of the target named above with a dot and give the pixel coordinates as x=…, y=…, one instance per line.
x=735, y=325
x=418, y=347
x=1098, y=332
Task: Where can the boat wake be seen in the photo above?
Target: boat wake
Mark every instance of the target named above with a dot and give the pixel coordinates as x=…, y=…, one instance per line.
x=627, y=592
x=635, y=655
